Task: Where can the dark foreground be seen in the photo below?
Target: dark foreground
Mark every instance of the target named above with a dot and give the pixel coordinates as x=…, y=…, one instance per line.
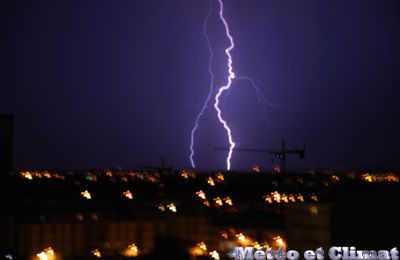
x=187, y=215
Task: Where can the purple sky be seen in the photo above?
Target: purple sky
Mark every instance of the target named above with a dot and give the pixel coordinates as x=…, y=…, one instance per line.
x=96, y=84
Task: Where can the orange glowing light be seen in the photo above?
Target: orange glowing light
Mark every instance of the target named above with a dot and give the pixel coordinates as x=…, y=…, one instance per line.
x=128, y=194
x=201, y=194
x=314, y=197
x=96, y=253
x=86, y=195
x=220, y=177
x=210, y=181
x=228, y=201
x=300, y=197
x=131, y=251
x=214, y=254
x=218, y=201
x=276, y=196
x=256, y=168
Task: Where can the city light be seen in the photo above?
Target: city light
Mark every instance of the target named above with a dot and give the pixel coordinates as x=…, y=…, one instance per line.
x=128, y=194
x=228, y=201
x=214, y=254
x=314, y=197
x=172, y=207
x=201, y=194
x=27, y=175
x=47, y=254
x=210, y=181
x=218, y=201
x=276, y=197
x=86, y=195
x=96, y=253
x=256, y=168
x=131, y=251
x=220, y=177
x=199, y=250
x=161, y=207
x=279, y=242
x=242, y=239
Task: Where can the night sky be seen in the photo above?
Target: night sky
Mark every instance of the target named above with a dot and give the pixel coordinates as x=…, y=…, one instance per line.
x=104, y=84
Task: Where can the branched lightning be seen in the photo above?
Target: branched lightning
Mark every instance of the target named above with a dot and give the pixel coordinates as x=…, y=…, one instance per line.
x=231, y=76
x=259, y=93
x=211, y=73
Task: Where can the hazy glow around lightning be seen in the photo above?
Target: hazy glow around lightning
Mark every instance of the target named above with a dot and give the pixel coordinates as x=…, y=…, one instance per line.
x=225, y=87
x=211, y=73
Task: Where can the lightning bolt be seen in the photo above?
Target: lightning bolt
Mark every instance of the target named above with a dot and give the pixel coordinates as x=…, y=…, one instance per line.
x=231, y=76
x=211, y=73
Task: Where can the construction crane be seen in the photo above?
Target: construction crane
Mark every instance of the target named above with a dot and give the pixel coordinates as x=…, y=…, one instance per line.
x=279, y=154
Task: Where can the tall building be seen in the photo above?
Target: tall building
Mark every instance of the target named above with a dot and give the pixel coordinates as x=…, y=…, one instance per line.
x=6, y=143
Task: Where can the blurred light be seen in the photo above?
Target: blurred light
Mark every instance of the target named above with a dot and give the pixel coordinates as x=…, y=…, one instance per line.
x=224, y=234
x=86, y=194
x=207, y=203
x=300, y=197
x=220, y=177
x=109, y=174
x=268, y=198
x=256, y=245
x=202, y=245
x=335, y=178
x=210, y=181
x=218, y=201
x=367, y=177
x=27, y=175
x=185, y=174
x=381, y=177
x=171, y=207
x=390, y=177
x=188, y=174
x=280, y=242
x=201, y=194
x=161, y=207
x=94, y=217
x=242, y=239
x=228, y=201
x=256, y=168
x=96, y=253
x=128, y=194
x=79, y=216
x=314, y=197
x=276, y=196
x=42, y=256
x=198, y=250
x=214, y=254
x=284, y=198
x=314, y=210
x=47, y=254
x=131, y=251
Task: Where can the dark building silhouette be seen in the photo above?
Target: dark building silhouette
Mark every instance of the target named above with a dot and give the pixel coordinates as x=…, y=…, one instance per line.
x=6, y=143
x=6, y=165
